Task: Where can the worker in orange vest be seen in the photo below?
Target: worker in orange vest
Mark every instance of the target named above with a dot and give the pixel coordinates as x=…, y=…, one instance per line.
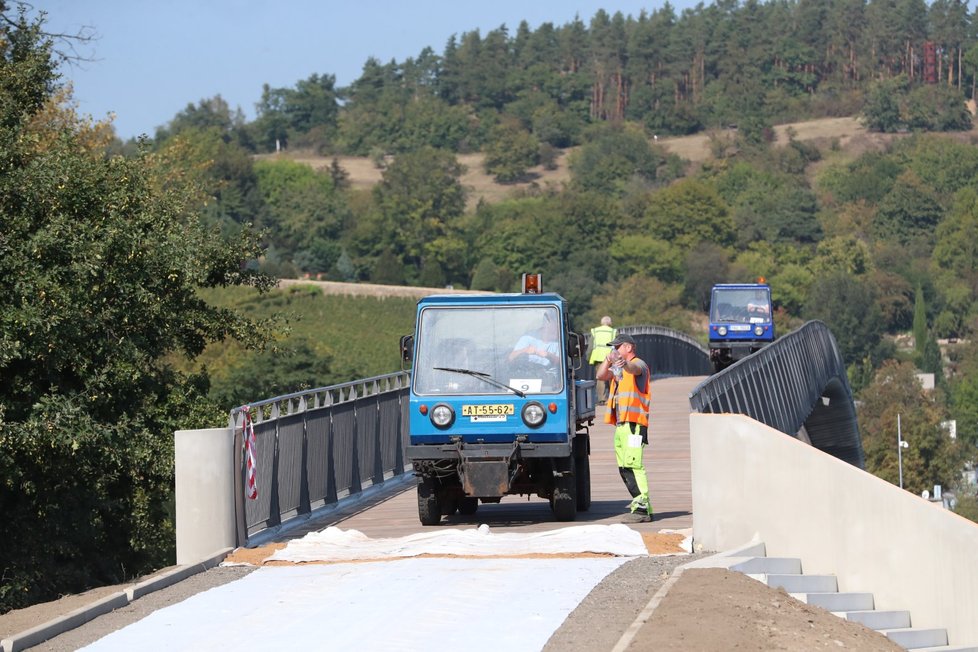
x=630, y=394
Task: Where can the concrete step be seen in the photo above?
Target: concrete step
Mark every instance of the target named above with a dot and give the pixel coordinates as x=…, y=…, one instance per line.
x=778, y=565
x=822, y=591
x=838, y=601
x=877, y=619
x=802, y=583
x=916, y=637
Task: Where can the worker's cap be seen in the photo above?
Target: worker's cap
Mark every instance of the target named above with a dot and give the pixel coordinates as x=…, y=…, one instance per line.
x=622, y=339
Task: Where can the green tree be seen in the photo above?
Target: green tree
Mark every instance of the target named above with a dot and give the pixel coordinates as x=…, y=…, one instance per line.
x=846, y=254
x=421, y=199
x=613, y=157
x=212, y=114
x=937, y=108
x=511, y=150
x=882, y=109
x=910, y=211
x=642, y=300
x=931, y=457
x=919, y=320
x=101, y=260
x=303, y=214
x=634, y=254
x=964, y=398
x=689, y=212
x=847, y=304
x=285, y=113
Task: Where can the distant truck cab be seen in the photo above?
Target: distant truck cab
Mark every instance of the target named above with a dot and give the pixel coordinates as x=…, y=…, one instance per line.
x=741, y=322
x=495, y=406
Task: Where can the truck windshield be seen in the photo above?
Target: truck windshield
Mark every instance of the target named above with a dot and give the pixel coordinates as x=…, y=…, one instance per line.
x=489, y=349
x=741, y=305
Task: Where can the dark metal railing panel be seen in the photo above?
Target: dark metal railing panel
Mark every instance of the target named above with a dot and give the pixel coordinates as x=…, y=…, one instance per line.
x=318, y=468
x=367, y=438
x=345, y=454
x=259, y=512
x=290, y=469
x=403, y=396
x=783, y=386
x=389, y=420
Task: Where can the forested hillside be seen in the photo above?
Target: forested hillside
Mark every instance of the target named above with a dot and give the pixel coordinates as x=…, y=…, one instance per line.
x=119, y=326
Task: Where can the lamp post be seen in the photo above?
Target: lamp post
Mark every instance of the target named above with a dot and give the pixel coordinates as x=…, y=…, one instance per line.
x=901, y=444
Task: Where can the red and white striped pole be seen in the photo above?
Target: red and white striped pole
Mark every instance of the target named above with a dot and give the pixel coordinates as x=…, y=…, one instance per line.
x=251, y=484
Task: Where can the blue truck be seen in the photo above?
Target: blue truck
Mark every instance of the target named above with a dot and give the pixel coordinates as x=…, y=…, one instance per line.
x=741, y=322
x=495, y=404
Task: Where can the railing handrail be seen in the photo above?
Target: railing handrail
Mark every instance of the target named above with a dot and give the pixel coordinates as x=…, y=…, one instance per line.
x=797, y=381
x=320, y=397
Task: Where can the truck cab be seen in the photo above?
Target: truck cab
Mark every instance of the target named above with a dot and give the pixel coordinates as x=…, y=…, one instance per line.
x=741, y=322
x=495, y=407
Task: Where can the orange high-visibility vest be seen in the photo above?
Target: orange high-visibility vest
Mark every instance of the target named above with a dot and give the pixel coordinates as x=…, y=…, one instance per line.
x=626, y=403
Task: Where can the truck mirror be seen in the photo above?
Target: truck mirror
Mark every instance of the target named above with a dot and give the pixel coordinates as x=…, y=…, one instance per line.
x=575, y=345
x=407, y=348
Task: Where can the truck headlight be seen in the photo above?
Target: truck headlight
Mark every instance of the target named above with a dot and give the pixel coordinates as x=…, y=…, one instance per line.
x=722, y=331
x=533, y=414
x=442, y=416
x=758, y=331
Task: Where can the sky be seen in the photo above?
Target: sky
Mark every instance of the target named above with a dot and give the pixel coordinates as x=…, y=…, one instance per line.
x=151, y=59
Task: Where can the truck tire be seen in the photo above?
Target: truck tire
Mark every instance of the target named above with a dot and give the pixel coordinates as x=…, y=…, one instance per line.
x=582, y=472
x=429, y=507
x=564, y=499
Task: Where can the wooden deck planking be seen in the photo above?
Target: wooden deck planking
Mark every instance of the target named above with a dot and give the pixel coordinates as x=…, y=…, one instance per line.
x=667, y=462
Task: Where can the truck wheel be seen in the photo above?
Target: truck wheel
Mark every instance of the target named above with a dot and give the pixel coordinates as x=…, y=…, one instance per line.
x=582, y=473
x=468, y=506
x=448, y=505
x=564, y=500
x=429, y=509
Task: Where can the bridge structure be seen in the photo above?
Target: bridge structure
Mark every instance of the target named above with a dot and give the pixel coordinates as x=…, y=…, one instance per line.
x=318, y=447
x=768, y=451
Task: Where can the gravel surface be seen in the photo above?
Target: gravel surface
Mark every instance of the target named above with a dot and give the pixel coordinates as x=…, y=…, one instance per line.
x=612, y=606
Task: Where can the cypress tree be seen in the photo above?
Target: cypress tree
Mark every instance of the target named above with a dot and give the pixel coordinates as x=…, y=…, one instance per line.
x=919, y=321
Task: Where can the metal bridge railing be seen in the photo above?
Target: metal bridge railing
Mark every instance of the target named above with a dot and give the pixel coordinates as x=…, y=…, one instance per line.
x=318, y=446
x=797, y=382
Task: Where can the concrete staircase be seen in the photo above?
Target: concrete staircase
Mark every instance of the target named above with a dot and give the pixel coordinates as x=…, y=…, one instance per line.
x=823, y=591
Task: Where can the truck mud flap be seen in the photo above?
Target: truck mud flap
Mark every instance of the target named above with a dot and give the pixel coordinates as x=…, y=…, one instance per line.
x=485, y=477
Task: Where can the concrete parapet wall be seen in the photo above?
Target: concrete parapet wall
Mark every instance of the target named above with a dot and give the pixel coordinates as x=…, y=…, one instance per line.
x=753, y=483
x=204, y=487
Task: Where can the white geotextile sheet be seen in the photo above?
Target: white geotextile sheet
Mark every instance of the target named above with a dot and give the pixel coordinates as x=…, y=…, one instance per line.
x=406, y=604
x=334, y=544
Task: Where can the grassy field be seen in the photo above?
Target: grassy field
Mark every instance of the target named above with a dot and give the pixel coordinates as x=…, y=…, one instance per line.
x=348, y=338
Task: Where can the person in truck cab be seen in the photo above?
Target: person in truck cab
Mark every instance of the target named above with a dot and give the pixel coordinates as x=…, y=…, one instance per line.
x=758, y=305
x=542, y=348
x=630, y=390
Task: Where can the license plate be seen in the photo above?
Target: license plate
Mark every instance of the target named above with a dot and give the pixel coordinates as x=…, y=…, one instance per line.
x=740, y=327
x=491, y=410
